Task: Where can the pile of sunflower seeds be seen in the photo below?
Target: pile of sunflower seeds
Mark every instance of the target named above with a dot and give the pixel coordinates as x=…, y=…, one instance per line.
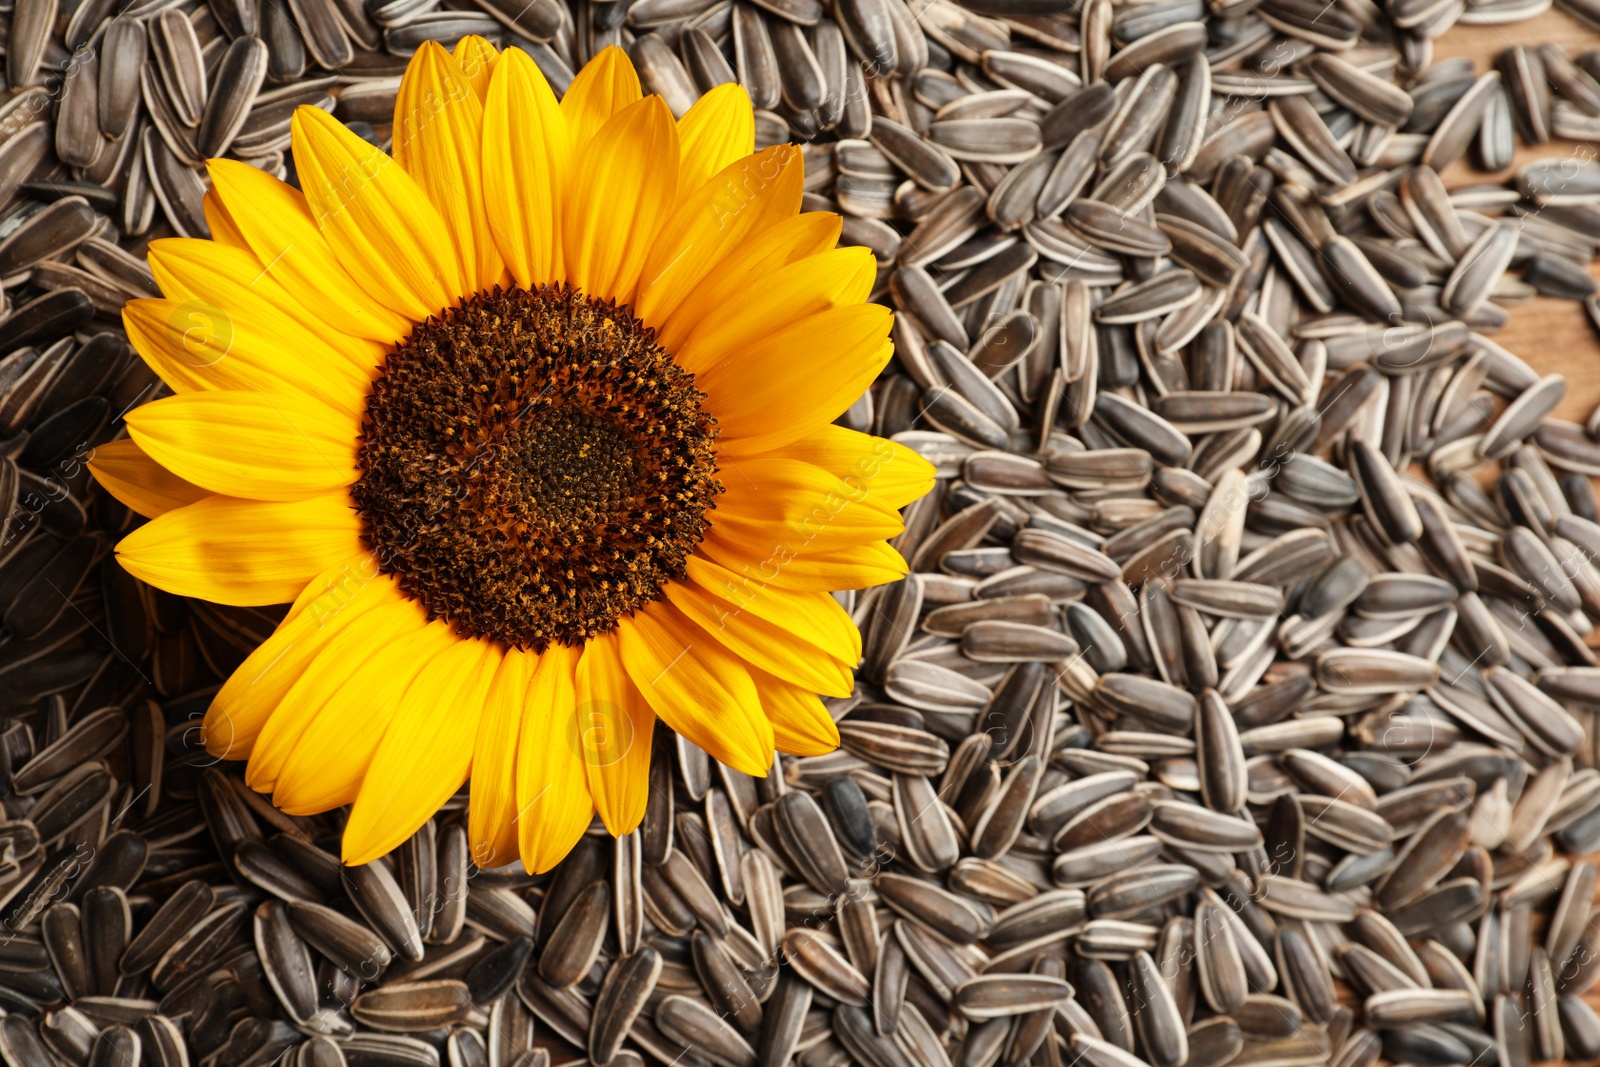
x=1240, y=708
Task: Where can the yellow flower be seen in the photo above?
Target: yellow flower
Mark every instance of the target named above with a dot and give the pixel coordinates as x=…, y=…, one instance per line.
x=532, y=425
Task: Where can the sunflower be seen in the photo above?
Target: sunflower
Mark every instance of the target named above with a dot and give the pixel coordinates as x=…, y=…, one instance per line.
x=531, y=425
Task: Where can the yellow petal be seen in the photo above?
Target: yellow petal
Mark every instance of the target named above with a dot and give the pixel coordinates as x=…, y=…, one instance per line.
x=224, y=230
x=605, y=86
x=425, y=753
x=333, y=755
x=327, y=593
x=884, y=470
x=249, y=444
x=744, y=267
x=195, y=345
x=438, y=138
x=787, y=568
x=242, y=552
x=138, y=482
x=778, y=647
x=797, y=379
x=476, y=57
x=527, y=159
x=376, y=218
x=767, y=502
x=334, y=600
x=232, y=307
x=614, y=731
x=554, y=806
x=757, y=538
x=492, y=810
x=353, y=643
x=274, y=219
x=622, y=190
x=810, y=286
x=234, y=279
x=714, y=219
x=818, y=620
x=717, y=130
x=801, y=724
x=697, y=687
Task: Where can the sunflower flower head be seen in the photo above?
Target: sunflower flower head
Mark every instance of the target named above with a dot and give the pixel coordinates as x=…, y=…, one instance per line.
x=531, y=425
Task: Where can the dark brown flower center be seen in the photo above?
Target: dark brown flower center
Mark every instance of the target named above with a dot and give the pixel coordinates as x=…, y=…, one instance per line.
x=534, y=466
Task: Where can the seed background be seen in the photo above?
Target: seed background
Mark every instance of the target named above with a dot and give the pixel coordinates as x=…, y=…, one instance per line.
x=1552, y=336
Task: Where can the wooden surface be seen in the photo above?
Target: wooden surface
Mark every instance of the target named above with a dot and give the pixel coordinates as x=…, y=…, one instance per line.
x=1553, y=336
